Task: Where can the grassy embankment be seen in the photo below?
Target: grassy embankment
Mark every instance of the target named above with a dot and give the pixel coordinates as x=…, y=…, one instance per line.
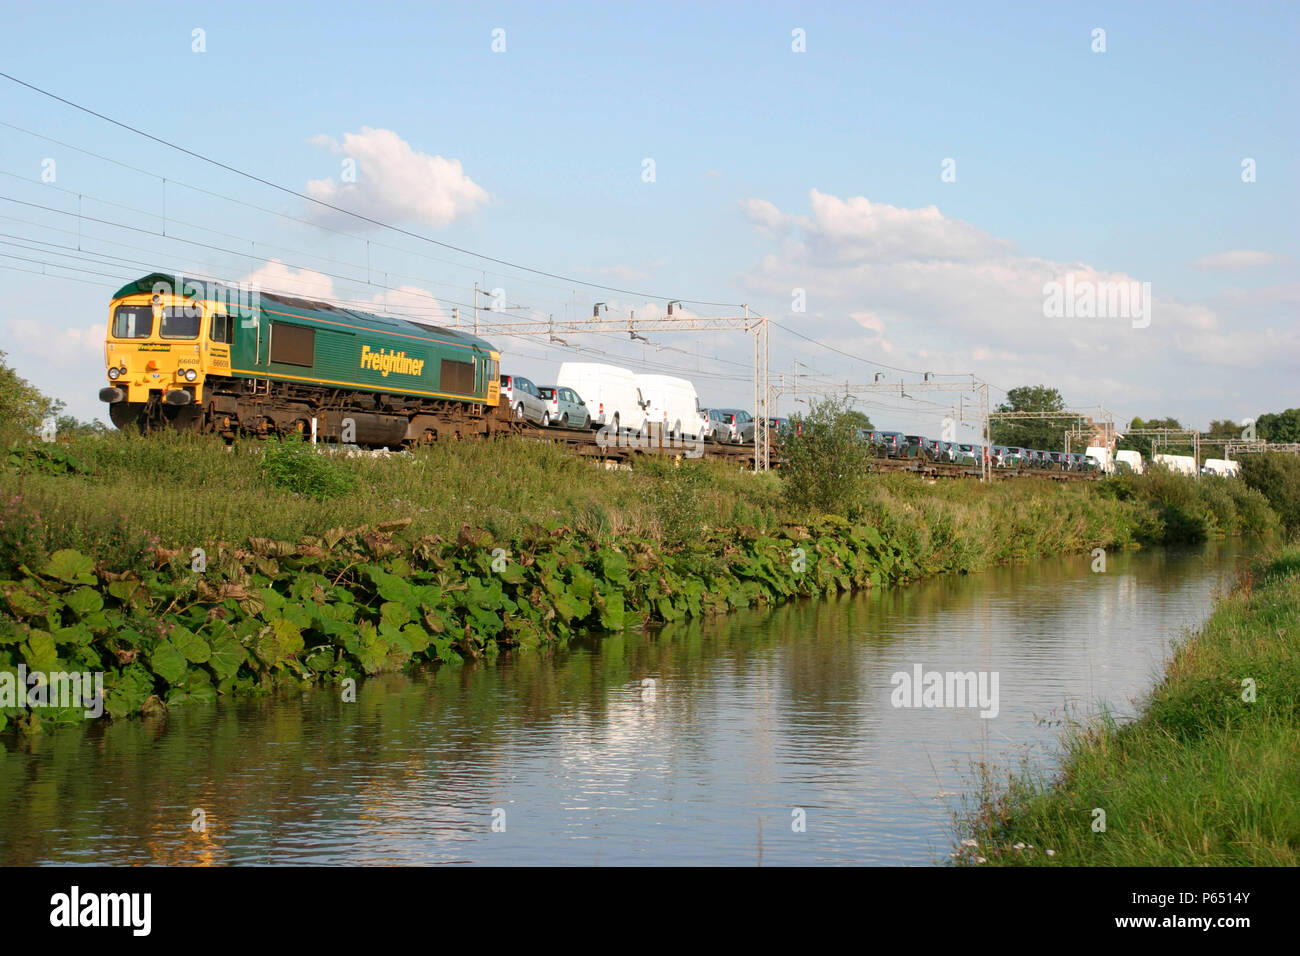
x=320, y=567
x=1209, y=775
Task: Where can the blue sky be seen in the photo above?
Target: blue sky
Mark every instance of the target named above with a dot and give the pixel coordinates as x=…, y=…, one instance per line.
x=775, y=170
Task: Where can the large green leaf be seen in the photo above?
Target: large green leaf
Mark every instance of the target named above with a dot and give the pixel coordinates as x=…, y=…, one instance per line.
x=610, y=607
x=126, y=692
x=193, y=647
x=40, y=651
x=84, y=601
x=71, y=566
x=167, y=662
x=372, y=651
x=76, y=634
x=26, y=602
x=393, y=613
x=613, y=566
x=389, y=586
x=417, y=638
x=227, y=656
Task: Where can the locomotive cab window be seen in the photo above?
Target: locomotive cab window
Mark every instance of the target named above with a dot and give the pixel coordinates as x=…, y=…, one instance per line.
x=293, y=345
x=133, y=322
x=222, y=330
x=181, y=322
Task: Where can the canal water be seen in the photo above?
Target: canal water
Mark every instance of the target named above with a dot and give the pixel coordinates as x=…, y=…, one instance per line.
x=765, y=737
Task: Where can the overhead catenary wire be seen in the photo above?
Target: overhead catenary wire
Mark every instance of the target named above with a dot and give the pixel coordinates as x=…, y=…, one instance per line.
x=348, y=212
x=377, y=222
x=360, y=217
x=94, y=258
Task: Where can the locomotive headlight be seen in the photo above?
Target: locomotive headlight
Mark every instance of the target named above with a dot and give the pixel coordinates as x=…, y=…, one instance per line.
x=114, y=373
x=190, y=375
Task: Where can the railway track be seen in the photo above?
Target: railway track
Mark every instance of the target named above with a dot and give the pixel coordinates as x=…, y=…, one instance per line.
x=582, y=441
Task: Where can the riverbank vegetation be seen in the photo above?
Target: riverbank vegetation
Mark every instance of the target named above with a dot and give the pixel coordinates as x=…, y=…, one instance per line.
x=183, y=569
x=1209, y=775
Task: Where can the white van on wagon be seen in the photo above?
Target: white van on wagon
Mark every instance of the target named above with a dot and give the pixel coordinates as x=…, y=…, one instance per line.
x=673, y=404
x=1101, y=453
x=1181, y=464
x=610, y=392
x=1131, y=459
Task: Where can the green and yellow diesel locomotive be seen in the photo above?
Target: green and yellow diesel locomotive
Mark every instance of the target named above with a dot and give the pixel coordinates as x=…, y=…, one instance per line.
x=200, y=356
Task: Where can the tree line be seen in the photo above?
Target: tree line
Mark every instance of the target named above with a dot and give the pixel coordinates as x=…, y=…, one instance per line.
x=1050, y=435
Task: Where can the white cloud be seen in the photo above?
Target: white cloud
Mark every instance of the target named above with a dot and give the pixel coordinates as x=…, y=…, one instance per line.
x=60, y=346
x=413, y=303
x=275, y=276
x=858, y=229
x=868, y=320
x=394, y=182
x=1235, y=259
x=957, y=299
x=767, y=217
x=407, y=301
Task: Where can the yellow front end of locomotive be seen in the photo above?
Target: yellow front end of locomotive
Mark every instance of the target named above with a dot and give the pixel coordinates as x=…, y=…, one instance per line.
x=163, y=346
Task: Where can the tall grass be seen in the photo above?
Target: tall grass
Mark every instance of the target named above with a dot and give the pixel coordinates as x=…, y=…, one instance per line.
x=115, y=495
x=182, y=491
x=1208, y=776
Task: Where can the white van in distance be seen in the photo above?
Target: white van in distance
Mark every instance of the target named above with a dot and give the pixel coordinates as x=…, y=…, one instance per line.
x=1222, y=467
x=672, y=404
x=1101, y=454
x=1181, y=464
x=610, y=392
x=1131, y=458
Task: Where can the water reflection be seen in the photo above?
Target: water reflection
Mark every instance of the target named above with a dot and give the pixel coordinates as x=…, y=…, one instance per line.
x=751, y=719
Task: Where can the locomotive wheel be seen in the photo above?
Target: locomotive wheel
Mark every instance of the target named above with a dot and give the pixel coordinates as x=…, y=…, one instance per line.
x=126, y=415
x=183, y=418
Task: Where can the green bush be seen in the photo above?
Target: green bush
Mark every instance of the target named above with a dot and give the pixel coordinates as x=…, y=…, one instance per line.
x=22, y=406
x=825, y=460
x=305, y=469
x=674, y=493
x=1182, y=508
x=1277, y=477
